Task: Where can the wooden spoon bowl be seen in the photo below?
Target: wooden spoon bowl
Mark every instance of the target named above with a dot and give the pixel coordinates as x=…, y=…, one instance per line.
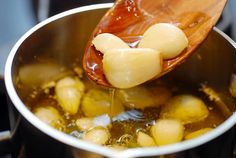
x=129, y=19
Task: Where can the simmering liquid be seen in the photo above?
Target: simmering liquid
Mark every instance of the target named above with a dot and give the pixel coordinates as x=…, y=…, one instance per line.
x=112, y=95
x=128, y=111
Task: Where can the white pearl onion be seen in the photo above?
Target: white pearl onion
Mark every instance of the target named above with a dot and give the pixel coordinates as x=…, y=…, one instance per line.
x=69, y=92
x=126, y=68
x=144, y=140
x=167, y=131
x=165, y=38
x=186, y=108
x=98, y=135
x=105, y=41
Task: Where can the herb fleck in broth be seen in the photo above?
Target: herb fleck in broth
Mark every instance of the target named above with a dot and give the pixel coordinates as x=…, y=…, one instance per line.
x=123, y=113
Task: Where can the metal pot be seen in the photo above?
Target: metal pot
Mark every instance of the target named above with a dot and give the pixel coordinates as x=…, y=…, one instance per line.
x=63, y=38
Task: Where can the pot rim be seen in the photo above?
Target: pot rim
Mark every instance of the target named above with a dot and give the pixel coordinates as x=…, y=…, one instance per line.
x=72, y=141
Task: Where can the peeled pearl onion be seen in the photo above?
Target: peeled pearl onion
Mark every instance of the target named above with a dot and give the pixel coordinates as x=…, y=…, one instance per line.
x=105, y=41
x=126, y=68
x=165, y=38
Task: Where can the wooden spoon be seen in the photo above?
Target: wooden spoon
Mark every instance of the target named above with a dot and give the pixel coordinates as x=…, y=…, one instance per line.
x=129, y=19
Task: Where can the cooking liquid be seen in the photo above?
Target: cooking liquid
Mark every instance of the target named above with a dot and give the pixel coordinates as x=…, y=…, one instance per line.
x=125, y=125
x=112, y=95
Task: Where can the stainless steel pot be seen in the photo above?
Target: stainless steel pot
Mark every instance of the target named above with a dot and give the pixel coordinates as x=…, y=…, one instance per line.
x=63, y=38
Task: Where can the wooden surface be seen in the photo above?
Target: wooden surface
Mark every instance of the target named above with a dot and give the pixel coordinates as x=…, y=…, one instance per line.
x=129, y=19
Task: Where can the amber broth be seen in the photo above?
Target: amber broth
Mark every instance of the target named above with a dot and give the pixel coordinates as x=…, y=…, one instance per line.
x=125, y=125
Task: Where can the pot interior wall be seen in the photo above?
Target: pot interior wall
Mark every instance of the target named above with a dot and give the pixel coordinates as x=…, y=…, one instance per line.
x=213, y=62
x=63, y=40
